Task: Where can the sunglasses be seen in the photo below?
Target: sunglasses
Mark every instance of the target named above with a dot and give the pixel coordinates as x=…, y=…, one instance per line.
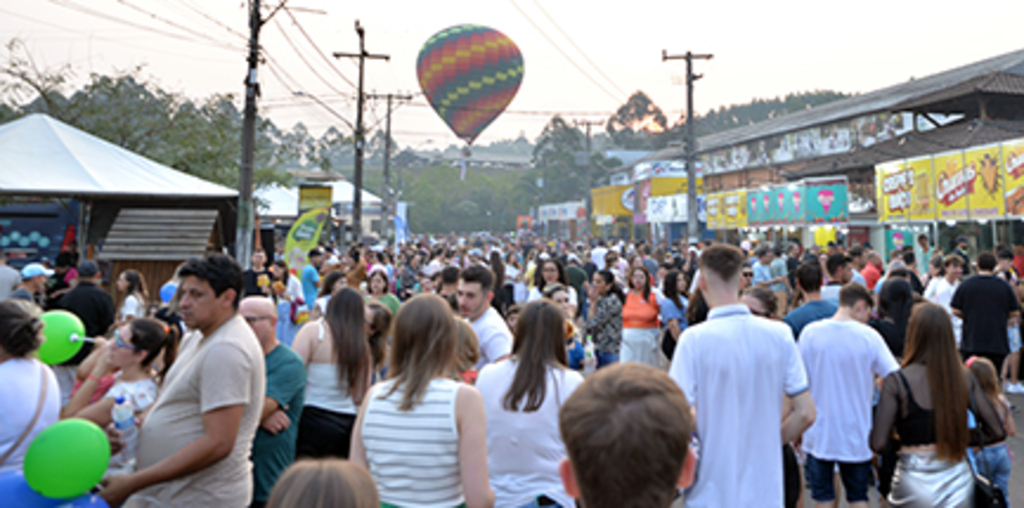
x=120, y=343
x=748, y=274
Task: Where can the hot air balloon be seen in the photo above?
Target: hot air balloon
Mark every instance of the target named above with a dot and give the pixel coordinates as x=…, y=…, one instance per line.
x=469, y=73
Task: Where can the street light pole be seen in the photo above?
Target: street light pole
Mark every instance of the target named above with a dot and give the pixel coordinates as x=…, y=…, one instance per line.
x=692, y=223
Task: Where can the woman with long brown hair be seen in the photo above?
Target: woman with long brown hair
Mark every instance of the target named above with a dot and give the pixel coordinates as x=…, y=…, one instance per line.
x=338, y=370
x=640, y=321
x=422, y=434
x=522, y=396
x=926, y=403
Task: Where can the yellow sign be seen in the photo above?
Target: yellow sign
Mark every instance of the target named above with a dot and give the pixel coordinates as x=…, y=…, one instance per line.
x=894, y=183
x=735, y=208
x=922, y=199
x=984, y=179
x=713, y=207
x=951, y=186
x=304, y=235
x=671, y=185
x=611, y=200
x=1013, y=171
x=311, y=197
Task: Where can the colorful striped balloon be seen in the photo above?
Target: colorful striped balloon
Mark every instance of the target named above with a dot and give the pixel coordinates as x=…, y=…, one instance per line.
x=469, y=73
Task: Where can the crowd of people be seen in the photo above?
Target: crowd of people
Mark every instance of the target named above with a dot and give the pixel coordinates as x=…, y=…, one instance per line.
x=494, y=371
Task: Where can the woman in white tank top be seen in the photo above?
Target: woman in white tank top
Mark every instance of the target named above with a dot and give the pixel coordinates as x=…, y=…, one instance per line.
x=338, y=369
x=421, y=434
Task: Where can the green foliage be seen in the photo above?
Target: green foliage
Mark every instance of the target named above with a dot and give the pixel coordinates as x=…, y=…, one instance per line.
x=637, y=125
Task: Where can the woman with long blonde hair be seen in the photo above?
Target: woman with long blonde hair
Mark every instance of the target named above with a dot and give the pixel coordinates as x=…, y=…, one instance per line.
x=926, y=403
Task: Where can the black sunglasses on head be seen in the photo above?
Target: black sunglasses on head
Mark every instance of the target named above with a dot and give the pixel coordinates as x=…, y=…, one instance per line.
x=748, y=274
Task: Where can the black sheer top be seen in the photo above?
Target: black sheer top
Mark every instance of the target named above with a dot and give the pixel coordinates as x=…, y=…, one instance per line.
x=906, y=406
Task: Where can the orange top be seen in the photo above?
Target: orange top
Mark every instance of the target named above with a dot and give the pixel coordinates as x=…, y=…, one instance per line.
x=637, y=313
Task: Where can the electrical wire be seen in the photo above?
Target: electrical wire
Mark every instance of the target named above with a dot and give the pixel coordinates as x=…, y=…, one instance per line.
x=564, y=54
x=522, y=112
x=303, y=58
x=587, y=58
x=317, y=48
x=122, y=21
x=174, y=24
x=188, y=5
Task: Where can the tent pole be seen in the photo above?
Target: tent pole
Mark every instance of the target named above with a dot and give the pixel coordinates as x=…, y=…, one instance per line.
x=84, y=212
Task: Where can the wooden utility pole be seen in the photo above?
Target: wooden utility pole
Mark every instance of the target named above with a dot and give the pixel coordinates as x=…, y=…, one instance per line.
x=360, y=141
x=692, y=224
x=386, y=205
x=588, y=178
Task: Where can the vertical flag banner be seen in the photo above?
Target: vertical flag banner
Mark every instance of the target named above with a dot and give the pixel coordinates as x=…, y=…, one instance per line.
x=1013, y=172
x=827, y=200
x=304, y=235
x=894, y=188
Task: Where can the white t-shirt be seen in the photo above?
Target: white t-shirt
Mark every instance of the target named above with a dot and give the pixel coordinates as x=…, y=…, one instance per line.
x=842, y=358
x=19, y=396
x=133, y=307
x=940, y=291
x=523, y=449
x=294, y=289
x=831, y=292
x=494, y=336
x=597, y=255
x=735, y=368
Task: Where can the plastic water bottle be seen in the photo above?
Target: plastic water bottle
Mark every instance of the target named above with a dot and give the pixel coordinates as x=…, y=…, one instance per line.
x=589, y=360
x=123, y=415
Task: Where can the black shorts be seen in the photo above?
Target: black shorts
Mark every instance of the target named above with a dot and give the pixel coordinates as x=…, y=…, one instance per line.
x=324, y=433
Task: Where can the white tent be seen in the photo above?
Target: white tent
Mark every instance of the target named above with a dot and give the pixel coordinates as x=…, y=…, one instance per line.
x=42, y=156
x=280, y=202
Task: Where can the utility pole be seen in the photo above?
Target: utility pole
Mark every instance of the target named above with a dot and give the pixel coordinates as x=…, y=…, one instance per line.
x=244, y=234
x=589, y=165
x=692, y=223
x=385, y=206
x=357, y=184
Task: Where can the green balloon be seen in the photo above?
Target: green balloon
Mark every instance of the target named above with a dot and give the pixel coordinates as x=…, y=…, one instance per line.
x=63, y=332
x=67, y=459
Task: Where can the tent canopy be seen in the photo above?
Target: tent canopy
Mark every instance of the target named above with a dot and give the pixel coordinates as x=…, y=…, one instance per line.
x=278, y=201
x=43, y=156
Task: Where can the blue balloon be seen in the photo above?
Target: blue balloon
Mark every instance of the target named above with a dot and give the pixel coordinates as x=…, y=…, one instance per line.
x=14, y=491
x=167, y=292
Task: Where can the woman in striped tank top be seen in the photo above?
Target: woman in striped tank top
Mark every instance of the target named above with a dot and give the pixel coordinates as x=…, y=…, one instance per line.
x=422, y=435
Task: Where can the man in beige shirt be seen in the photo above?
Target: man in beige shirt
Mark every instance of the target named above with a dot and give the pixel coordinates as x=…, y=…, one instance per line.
x=195, y=443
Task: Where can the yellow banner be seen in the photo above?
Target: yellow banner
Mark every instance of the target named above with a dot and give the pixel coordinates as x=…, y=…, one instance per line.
x=735, y=208
x=951, y=186
x=713, y=204
x=671, y=185
x=311, y=197
x=984, y=183
x=610, y=200
x=922, y=199
x=894, y=183
x=1013, y=171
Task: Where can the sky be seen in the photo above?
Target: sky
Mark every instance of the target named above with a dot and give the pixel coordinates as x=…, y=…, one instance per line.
x=582, y=59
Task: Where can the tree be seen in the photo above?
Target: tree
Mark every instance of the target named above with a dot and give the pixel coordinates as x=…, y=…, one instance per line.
x=637, y=124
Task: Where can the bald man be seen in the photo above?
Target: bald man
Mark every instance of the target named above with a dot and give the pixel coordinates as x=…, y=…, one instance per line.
x=273, y=450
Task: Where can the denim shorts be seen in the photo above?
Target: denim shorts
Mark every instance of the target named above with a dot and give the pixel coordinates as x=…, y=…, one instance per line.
x=1013, y=332
x=856, y=479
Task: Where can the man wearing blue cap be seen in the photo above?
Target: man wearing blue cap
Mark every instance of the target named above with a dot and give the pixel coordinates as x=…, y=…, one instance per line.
x=33, y=282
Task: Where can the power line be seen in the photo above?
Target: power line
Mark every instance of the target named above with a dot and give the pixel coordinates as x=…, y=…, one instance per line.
x=564, y=54
x=303, y=58
x=115, y=19
x=317, y=48
x=272, y=62
x=594, y=65
x=523, y=112
x=174, y=24
x=188, y=5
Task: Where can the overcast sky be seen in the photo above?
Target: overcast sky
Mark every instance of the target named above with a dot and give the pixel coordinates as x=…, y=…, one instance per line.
x=761, y=49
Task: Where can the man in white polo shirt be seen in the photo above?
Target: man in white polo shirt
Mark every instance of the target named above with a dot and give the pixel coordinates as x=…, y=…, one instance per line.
x=842, y=355
x=734, y=369
x=476, y=289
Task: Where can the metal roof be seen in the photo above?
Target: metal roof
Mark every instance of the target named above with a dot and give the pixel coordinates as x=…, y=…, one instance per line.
x=154, y=234
x=1000, y=74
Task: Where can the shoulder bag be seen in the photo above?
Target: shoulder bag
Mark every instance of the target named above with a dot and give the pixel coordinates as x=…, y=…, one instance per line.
x=986, y=493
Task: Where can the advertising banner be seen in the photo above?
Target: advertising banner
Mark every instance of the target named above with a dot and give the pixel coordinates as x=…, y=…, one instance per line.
x=984, y=179
x=894, y=182
x=754, y=213
x=311, y=197
x=1013, y=172
x=951, y=186
x=827, y=200
x=896, y=238
x=922, y=199
x=787, y=204
x=714, y=209
x=644, y=190
x=614, y=200
x=304, y=235
x=734, y=209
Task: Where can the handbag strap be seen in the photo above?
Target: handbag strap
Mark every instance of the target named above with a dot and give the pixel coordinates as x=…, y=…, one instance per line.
x=35, y=417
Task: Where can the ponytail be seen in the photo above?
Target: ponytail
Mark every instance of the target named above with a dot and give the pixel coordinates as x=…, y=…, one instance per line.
x=155, y=338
